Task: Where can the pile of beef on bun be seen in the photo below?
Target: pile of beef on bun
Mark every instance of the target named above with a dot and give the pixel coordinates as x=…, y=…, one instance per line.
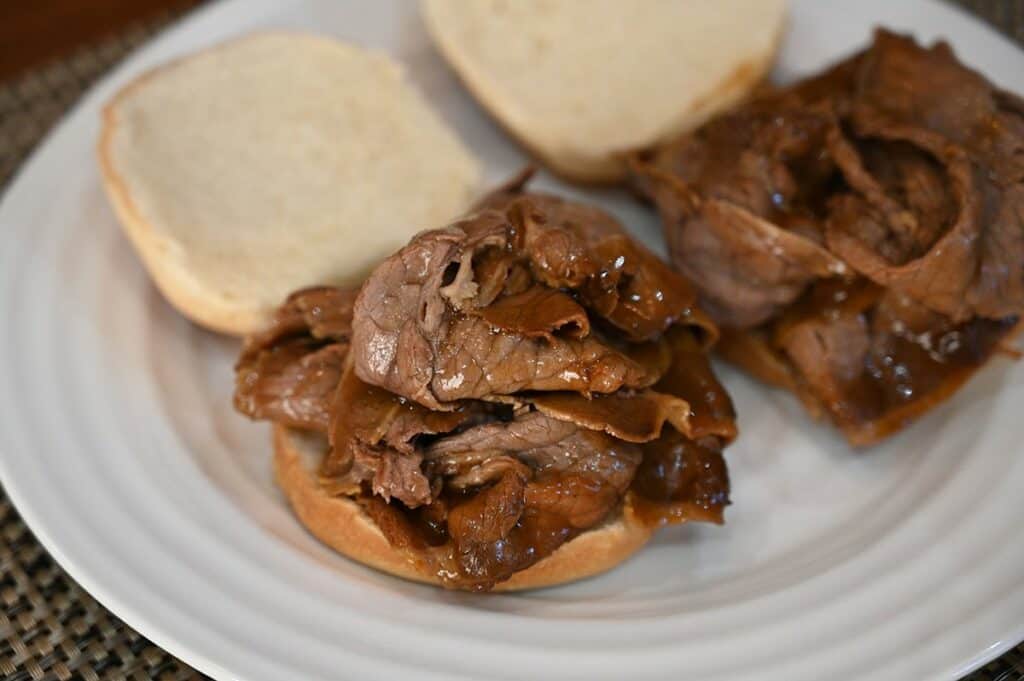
x=502, y=385
x=859, y=235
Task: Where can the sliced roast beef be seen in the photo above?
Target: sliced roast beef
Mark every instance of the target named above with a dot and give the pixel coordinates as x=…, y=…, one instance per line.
x=539, y=483
x=741, y=202
x=423, y=331
x=749, y=268
x=921, y=190
x=417, y=334
x=904, y=84
x=630, y=416
x=753, y=351
x=322, y=312
x=480, y=528
x=534, y=437
x=970, y=263
x=680, y=480
x=688, y=398
x=474, y=359
x=489, y=393
x=876, y=360
x=545, y=444
x=487, y=470
x=579, y=247
x=691, y=378
x=371, y=433
x=287, y=373
x=538, y=312
x=292, y=383
x=899, y=166
x=521, y=519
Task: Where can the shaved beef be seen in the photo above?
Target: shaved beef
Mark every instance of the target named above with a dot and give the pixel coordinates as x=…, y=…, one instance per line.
x=640, y=295
x=485, y=394
x=402, y=313
x=532, y=437
x=371, y=435
x=903, y=84
x=420, y=332
x=586, y=490
x=473, y=361
x=480, y=529
x=518, y=521
x=291, y=383
x=964, y=262
x=543, y=481
x=752, y=351
x=900, y=166
x=485, y=541
x=749, y=268
x=907, y=185
x=500, y=272
x=740, y=201
x=633, y=417
x=488, y=470
x=876, y=360
x=538, y=312
x=929, y=200
x=412, y=339
x=582, y=248
x=382, y=473
x=286, y=373
x=545, y=444
x=323, y=312
x=681, y=480
x=688, y=397
x=691, y=378
x=400, y=476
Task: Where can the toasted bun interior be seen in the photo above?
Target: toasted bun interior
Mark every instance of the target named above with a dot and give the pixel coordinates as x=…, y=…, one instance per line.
x=340, y=523
x=581, y=82
x=274, y=162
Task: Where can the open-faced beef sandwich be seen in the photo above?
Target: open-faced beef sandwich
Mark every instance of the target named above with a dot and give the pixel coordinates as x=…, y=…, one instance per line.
x=515, y=400
x=859, y=235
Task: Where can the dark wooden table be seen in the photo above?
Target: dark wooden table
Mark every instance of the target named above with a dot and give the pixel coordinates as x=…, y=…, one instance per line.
x=36, y=31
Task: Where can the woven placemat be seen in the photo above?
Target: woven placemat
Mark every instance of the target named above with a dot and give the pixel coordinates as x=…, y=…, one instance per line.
x=50, y=628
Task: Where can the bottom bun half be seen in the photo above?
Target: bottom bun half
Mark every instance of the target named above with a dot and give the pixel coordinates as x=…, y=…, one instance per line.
x=340, y=523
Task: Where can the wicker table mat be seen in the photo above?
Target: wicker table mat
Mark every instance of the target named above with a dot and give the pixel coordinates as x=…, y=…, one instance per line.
x=50, y=628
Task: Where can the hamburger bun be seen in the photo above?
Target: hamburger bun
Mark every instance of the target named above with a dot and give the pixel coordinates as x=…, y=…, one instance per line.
x=340, y=523
x=271, y=163
x=582, y=82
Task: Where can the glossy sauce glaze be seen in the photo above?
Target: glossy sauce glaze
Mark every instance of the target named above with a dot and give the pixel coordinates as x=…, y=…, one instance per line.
x=504, y=385
x=876, y=360
x=857, y=234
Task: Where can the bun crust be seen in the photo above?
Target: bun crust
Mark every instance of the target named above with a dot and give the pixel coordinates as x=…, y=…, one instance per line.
x=341, y=524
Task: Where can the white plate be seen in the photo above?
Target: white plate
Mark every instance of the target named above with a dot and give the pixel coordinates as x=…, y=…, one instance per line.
x=122, y=452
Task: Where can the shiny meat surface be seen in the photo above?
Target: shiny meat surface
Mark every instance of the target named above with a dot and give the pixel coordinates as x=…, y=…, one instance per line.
x=288, y=372
x=423, y=330
x=898, y=172
x=494, y=387
x=291, y=383
x=682, y=480
x=876, y=360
